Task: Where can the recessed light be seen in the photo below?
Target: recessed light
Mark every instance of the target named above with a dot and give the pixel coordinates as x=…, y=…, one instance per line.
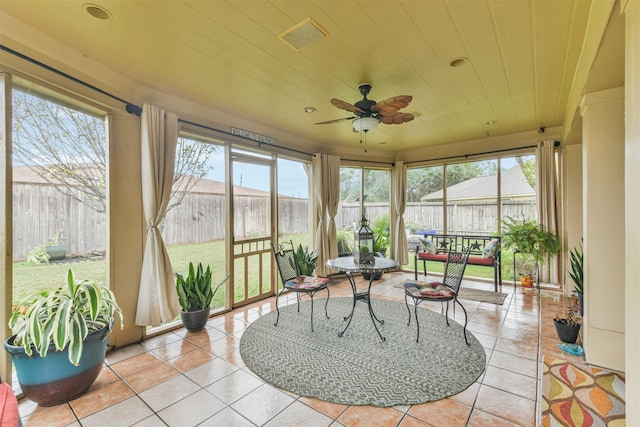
x=96, y=11
x=309, y=110
x=458, y=62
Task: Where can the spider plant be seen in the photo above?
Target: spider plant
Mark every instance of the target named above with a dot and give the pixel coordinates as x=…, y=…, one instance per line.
x=63, y=316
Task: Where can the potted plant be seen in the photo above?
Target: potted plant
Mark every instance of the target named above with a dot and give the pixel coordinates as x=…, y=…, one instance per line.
x=345, y=242
x=60, y=339
x=527, y=237
x=577, y=274
x=55, y=248
x=568, y=327
x=195, y=294
x=307, y=261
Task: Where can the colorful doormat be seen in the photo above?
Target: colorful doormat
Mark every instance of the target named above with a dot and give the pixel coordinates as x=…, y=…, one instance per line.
x=581, y=395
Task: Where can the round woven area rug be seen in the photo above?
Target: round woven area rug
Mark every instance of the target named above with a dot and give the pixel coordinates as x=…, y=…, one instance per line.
x=359, y=368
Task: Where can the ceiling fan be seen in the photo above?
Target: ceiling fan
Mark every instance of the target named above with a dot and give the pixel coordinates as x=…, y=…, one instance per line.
x=368, y=113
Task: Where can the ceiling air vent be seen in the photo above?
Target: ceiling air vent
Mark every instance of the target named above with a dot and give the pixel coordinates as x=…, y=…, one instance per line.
x=303, y=34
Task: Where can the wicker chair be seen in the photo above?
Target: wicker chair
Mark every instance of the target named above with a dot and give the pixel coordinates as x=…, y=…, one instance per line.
x=293, y=281
x=444, y=291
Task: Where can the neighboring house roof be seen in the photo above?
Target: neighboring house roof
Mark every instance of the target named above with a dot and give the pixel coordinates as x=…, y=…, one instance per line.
x=514, y=185
x=25, y=175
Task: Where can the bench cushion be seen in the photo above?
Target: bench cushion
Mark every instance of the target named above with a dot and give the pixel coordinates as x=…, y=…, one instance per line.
x=473, y=260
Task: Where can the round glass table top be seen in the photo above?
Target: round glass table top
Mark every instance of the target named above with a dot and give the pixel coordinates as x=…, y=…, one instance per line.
x=348, y=264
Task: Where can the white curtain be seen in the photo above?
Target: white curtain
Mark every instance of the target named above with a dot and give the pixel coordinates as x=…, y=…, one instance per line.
x=548, y=202
x=331, y=176
x=326, y=191
x=157, y=299
x=320, y=207
x=400, y=244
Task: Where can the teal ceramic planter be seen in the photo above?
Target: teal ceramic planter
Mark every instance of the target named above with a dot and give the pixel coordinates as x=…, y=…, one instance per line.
x=53, y=379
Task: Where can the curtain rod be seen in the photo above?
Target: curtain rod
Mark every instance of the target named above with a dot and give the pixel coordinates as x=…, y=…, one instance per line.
x=130, y=107
x=224, y=132
x=556, y=144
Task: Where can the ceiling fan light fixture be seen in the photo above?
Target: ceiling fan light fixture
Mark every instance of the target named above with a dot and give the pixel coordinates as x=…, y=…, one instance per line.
x=365, y=124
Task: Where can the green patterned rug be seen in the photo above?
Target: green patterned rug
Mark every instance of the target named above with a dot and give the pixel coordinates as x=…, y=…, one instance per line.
x=359, y=368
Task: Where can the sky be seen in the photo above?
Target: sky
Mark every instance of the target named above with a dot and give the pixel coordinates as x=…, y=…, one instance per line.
x=257, y=177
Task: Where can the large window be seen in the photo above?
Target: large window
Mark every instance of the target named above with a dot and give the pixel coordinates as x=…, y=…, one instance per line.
x=472, y=198
x=472, y=203
x=293, y=202
x=364, y=191
x=194, y=226
x=59, y=190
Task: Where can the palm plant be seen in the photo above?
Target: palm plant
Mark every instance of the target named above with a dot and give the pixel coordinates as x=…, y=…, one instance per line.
x=63, y=316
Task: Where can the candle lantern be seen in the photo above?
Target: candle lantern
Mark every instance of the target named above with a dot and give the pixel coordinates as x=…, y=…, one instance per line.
x=363, y=243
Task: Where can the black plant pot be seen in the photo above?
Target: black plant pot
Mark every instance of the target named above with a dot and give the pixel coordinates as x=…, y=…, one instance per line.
x=376, y=276
x=567, y=333
x=195, y=320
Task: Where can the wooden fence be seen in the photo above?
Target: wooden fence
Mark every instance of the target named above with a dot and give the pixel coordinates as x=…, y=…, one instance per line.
x=40, y=213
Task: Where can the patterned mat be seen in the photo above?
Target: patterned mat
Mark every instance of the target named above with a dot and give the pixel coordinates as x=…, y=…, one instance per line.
x=359, y=368
x=581, y=395
x=479, y=295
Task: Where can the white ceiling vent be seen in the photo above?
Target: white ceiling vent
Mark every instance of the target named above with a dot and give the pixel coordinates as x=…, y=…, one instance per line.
x=303, y=34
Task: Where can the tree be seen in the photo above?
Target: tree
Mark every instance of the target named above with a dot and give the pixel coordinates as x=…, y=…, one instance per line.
x=426, y=180
x=67, y=148
x=528, y=166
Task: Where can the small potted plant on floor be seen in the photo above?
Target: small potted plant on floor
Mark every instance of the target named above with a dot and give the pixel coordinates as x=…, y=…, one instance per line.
x=568, y=326
x=60, y=339
x=195, y=294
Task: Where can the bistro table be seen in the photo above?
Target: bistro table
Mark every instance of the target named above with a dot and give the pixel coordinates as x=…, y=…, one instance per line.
x=349, y=267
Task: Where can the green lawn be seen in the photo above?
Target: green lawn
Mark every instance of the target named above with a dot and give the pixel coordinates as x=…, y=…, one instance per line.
x=28, y=279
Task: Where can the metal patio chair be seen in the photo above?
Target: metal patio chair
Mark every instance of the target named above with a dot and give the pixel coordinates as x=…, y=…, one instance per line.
x=444, y=291
x=293, y=281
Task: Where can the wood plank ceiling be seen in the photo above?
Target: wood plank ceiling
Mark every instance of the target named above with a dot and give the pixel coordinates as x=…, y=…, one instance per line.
x=226, y=55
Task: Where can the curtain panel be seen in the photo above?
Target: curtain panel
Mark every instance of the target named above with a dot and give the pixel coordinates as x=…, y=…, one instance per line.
x=157, y=298
x=326, y=191
x=400, y=244
x=548, y=203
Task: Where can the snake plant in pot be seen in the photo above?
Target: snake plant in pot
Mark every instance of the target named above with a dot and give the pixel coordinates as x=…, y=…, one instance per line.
x=195, y=294
x=60, y=339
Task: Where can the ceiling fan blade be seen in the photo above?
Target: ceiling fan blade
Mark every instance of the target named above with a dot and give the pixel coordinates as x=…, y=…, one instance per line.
x=343, y=105
x=335, y=121
x=391, y=105
x=396, y=118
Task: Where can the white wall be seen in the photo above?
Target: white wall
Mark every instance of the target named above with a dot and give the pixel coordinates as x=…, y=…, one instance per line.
x=632, y=208
x=603, y=224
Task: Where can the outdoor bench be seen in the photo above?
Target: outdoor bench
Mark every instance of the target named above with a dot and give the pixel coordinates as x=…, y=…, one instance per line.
x=485, y=251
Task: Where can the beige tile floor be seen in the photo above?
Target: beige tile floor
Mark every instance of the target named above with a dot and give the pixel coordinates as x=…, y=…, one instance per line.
x=188, y=379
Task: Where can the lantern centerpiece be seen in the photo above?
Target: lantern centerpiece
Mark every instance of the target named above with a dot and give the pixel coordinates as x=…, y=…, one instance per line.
x=363, y=243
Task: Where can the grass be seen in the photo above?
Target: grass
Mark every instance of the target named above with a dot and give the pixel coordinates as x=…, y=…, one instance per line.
x=28, y=279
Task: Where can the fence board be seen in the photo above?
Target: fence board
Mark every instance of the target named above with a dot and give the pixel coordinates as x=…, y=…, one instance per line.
x=40, y=211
